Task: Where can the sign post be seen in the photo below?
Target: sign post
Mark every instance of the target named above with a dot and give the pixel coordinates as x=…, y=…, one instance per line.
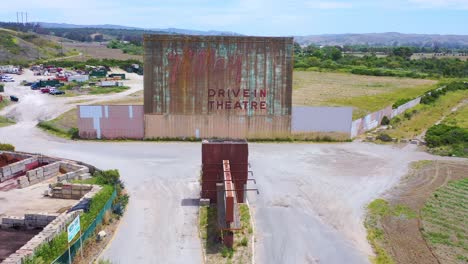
x=72, y=230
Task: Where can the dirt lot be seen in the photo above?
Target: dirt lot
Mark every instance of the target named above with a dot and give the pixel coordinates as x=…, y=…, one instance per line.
x=405, y=242
x=95, y=50
x=17, y=202
x=16, y=238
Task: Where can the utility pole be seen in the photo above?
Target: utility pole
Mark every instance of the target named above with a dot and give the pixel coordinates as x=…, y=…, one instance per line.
x=26, y=17
x=17, y=18
x=22, y=18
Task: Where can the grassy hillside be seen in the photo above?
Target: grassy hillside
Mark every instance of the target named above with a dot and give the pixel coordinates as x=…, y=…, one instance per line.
x=21, y=48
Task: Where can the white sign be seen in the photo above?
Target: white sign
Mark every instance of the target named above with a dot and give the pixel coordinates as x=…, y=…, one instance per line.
x=73, y=228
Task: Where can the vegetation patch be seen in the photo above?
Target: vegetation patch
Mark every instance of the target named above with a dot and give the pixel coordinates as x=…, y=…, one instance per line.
x=5, y=121
x=110, y=181
x=126, y=47
x=376, y=211
x=444, y=221
x=448, y=140
x=7, y=147
x=215, y=251
x=107, y=90
x=416, y=120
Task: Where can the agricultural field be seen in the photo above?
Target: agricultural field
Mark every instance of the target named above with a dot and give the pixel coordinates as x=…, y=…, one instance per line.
x=422, y=219
x=444, y=222
x=94, y=50
x=365, y=93
x=417, y=120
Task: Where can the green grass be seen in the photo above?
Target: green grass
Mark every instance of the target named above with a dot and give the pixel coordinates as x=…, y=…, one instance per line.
x=444, y=219
x=57, y=246
x=4, y=121
x=421, y=117
x=364, y=105
x=458, y=118
x=364, y=93
x=50, y=126
x=107, y=90
x=5, y=102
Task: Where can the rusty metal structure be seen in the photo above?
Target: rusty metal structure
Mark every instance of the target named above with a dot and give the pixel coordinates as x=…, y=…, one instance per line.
x=213, y=154
x=217, y=86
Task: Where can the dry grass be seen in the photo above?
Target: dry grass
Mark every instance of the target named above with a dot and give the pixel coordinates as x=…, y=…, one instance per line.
x=97, y=51
x=364, y=93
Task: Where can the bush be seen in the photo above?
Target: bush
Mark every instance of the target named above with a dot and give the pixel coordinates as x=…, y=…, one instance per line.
x=400, y=102
x=74, y=133
x=442, y=134
x=385, y=121
x=7, y=147
x=110, y=177
x=384, y=137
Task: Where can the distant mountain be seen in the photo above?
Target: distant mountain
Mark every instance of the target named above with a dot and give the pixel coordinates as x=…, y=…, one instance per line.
x=386, y=39
x=158, y=30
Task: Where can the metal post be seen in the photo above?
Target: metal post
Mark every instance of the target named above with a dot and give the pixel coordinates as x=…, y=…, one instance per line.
x=69, y=255
x=81, y=245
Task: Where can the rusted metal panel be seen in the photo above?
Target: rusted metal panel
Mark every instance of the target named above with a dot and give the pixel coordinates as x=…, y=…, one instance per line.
x=216, y=126
x=183, y=74
x=218, y=75
x=111, y=121
x=213, y=154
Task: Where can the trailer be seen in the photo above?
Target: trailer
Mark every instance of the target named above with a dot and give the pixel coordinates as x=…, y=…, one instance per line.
x=78, y=78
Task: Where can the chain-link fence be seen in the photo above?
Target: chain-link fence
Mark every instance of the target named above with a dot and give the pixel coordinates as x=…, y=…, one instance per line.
x=88, y=233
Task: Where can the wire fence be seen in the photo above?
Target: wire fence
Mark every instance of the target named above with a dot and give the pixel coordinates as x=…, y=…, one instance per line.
x=88, y=233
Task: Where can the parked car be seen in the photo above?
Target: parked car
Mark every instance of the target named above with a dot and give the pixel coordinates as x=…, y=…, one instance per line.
x=35, y=86
x=56, y=91
x=45, y=89
x=14, y=98
x=6, y=78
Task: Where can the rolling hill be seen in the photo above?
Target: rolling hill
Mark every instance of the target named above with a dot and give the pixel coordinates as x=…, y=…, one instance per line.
x=19, y=47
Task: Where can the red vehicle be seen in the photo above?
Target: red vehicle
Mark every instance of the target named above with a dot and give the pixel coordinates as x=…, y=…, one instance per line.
x=45, y=89
x=62, y=79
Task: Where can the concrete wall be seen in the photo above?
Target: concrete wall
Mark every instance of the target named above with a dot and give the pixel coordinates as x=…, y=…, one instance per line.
x=71, y=191
x=402, y=108
x=110, y=121
x=27, y=162
x=321, y=119
x=370, y=121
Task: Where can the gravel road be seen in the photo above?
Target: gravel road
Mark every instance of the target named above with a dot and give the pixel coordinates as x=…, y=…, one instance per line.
x=309, y=210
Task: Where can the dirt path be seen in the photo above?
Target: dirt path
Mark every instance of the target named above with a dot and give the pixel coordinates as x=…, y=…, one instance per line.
x=454, y=109
x=405, y=241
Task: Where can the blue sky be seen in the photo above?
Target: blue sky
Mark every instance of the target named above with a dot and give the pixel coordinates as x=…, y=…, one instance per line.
x=256, y=17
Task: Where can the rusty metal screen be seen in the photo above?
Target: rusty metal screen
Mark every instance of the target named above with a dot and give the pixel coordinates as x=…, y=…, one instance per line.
x=223, y=76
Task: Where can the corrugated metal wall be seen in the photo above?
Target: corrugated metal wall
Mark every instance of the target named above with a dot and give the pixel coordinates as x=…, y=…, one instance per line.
x=231, y=77
x=111, y=121
x=216, y=126
x=213, y=154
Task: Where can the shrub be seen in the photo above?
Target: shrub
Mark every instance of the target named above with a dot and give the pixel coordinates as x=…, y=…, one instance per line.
x=384, y=137
x=400, y=102
x=7, y=147
x=110, y=177
x=439, y=135
x=385, y=121
x=74, y=133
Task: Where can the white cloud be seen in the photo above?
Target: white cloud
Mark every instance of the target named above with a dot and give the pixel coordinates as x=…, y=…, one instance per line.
x=328, y=5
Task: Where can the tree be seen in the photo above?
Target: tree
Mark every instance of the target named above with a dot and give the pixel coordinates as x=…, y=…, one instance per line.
x=403, y=52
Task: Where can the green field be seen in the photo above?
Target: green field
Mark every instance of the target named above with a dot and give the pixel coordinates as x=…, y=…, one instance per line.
x=364, y=93
x=444, y=221
x=423, y=116
x=458, y=118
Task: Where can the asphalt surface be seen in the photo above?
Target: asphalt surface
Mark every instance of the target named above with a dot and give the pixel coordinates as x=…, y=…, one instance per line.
x=309, y=210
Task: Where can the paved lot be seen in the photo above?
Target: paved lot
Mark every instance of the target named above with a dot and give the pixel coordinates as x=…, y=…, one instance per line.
x=310, y=207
